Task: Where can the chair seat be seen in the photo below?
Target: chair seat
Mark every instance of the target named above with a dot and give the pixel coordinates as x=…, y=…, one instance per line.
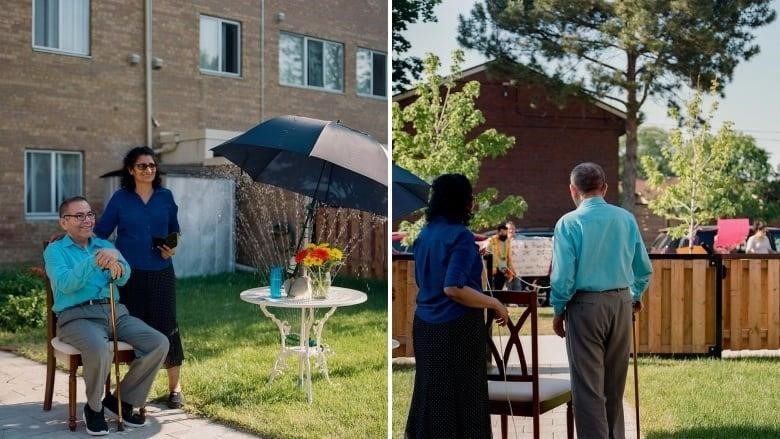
x=67, y=349
x=518, y=391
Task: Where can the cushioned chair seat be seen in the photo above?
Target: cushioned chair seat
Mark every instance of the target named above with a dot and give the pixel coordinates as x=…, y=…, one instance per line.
x=549, y=388
x=62, y=347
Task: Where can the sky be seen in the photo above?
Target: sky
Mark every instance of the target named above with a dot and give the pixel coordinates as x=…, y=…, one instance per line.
x=751, y=101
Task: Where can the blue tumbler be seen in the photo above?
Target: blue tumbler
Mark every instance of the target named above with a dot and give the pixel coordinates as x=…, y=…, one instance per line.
x=276, y=282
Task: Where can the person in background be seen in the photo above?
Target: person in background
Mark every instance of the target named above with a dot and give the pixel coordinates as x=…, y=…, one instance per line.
x=139, y=211
x=600, y=266
x=759, y=242
x=450, y=393
x=515, y=283
x=80, y=267
x=501, y=249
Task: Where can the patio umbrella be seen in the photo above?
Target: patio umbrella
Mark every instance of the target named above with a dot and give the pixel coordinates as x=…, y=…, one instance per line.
x=410, y=192
x=330, y=163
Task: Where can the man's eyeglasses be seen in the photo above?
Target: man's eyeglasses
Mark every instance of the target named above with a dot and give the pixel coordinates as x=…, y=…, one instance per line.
x=145, y=166
x=81, y=216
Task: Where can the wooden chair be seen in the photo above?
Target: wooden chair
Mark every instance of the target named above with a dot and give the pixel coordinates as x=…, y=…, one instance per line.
x=515, y=385
x=57, y=349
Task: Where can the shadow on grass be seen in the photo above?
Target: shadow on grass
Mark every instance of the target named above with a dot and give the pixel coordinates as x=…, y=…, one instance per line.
x=724, y=432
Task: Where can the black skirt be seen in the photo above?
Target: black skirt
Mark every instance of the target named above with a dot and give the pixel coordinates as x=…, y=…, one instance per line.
x=450, y=394
x=151, y=296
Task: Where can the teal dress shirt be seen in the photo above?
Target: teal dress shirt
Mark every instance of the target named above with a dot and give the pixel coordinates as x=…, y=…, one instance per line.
x=75, y=276
x=597, y=247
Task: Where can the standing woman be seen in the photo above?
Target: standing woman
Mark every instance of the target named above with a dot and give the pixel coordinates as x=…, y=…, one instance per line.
x=450, y=397
x=141, y=210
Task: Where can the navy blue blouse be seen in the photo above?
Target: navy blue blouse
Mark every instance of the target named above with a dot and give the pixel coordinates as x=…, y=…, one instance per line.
x=137, y=223
x=445, y=255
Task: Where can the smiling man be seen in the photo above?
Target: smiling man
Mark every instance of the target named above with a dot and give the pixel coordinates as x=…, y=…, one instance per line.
x=80, y=267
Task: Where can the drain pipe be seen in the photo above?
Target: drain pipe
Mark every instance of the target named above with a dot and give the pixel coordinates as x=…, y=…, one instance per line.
x=262, y=60
x=148, y=68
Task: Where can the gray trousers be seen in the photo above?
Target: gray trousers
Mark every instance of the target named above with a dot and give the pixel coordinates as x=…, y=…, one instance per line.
x=88, y=329
x=598, y=340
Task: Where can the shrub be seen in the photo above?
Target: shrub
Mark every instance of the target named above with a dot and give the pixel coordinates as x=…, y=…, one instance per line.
x=20, y=312
x=22, y=299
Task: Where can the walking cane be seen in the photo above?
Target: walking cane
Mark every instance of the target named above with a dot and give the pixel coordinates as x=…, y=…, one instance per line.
x=636, y=375
x=120, y=425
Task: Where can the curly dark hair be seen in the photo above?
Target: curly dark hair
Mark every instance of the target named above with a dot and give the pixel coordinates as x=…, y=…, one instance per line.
x=451, y=199
x=127, y=181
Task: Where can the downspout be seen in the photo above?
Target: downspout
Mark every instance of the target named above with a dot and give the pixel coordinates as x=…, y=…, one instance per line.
x=148, y=68
x=262, y=60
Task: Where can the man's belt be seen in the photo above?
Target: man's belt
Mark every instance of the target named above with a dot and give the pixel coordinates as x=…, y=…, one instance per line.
x=613, y=290
x=103, y=301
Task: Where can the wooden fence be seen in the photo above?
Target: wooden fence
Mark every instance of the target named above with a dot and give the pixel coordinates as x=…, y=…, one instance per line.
x=695, y=304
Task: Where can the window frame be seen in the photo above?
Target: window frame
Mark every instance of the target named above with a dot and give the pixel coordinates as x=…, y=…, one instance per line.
x=371, y=53
x=221, y=22
x=53, y=177
x=88, y=32
x=305, y=60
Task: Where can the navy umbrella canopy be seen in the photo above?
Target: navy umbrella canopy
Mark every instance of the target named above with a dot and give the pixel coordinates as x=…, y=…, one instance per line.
x=327, y=161
x=410, y=192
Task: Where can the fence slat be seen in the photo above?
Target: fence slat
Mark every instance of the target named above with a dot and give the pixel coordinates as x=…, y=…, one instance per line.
x=734, y=283
x=677, y=304
x=699, y=306
x=773, y=303
x=754, y=304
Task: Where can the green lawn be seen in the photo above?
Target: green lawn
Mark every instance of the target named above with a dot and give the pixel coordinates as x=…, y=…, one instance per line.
x=230, y=347
x=698, y=398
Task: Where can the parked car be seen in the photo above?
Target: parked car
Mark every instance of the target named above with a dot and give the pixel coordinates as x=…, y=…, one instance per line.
x=665, y=244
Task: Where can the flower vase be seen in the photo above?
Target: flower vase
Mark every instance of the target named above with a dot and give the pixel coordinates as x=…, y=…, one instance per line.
x=320, y=284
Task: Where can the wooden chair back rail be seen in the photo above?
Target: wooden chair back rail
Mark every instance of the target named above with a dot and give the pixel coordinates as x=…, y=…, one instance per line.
x=72, y=361
x=512, y=366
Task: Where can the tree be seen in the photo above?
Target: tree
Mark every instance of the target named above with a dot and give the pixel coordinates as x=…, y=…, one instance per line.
x=621, y=51
x=706, y=183
x=433, y=136
x=408, y=69
x=650, y=141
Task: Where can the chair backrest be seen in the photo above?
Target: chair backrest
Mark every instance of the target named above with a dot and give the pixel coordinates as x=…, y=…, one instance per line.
x=511, y=350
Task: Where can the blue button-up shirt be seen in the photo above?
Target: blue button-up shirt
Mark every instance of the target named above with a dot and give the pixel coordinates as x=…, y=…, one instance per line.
x=137, y=223
x=597, y=247
x=445, y=255
x=75, y=276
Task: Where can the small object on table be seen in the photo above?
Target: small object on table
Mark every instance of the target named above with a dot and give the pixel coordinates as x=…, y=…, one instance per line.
x=276, y=282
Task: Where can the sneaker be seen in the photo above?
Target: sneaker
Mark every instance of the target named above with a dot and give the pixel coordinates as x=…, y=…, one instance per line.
x=129, y=417
x=96, y=422
x=175, y=400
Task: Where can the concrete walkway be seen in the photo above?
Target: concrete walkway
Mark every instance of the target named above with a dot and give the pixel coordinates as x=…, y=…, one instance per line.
x=22, y=415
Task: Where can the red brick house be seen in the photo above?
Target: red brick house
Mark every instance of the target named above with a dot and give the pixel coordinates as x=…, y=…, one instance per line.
x=551, y=137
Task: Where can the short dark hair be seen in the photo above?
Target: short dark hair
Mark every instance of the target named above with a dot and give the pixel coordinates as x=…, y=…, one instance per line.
x=66, y=202
x=127, y=181
x=451, y=198
x=760, y=225
x=588, y=177
x=502, y=227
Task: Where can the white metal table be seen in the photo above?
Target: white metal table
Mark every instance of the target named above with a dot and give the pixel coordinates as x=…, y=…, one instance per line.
x=310, y=325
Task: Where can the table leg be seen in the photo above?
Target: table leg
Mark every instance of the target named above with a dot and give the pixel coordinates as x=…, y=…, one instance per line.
x=318, y=326
x=284, y=329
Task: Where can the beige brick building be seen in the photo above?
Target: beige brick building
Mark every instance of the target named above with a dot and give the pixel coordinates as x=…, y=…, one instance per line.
x=74, y=95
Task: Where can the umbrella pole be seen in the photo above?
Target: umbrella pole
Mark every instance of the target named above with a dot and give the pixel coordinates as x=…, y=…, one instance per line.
x=307, y=233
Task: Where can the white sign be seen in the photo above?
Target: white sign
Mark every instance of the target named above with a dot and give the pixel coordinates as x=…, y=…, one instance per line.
x=532, y=256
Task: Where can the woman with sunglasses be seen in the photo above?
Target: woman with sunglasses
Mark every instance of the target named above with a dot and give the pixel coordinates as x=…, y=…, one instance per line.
x=140, y=211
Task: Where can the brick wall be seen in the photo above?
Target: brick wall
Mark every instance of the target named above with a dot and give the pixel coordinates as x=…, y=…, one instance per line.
x=96, y=104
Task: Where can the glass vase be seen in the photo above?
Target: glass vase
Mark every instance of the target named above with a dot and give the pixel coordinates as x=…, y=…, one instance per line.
x=320, y=284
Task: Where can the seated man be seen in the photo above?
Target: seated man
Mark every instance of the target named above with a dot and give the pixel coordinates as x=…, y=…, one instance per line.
x=80, y=267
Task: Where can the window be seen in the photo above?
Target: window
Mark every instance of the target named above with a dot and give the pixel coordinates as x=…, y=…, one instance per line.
x=61, y=25
x=371, y=73
x=50, y=177
x=220, y=42
x=310, y=62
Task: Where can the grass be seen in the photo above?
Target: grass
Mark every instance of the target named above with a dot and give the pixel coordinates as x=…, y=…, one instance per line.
x=700, y=398
x=230, y=348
